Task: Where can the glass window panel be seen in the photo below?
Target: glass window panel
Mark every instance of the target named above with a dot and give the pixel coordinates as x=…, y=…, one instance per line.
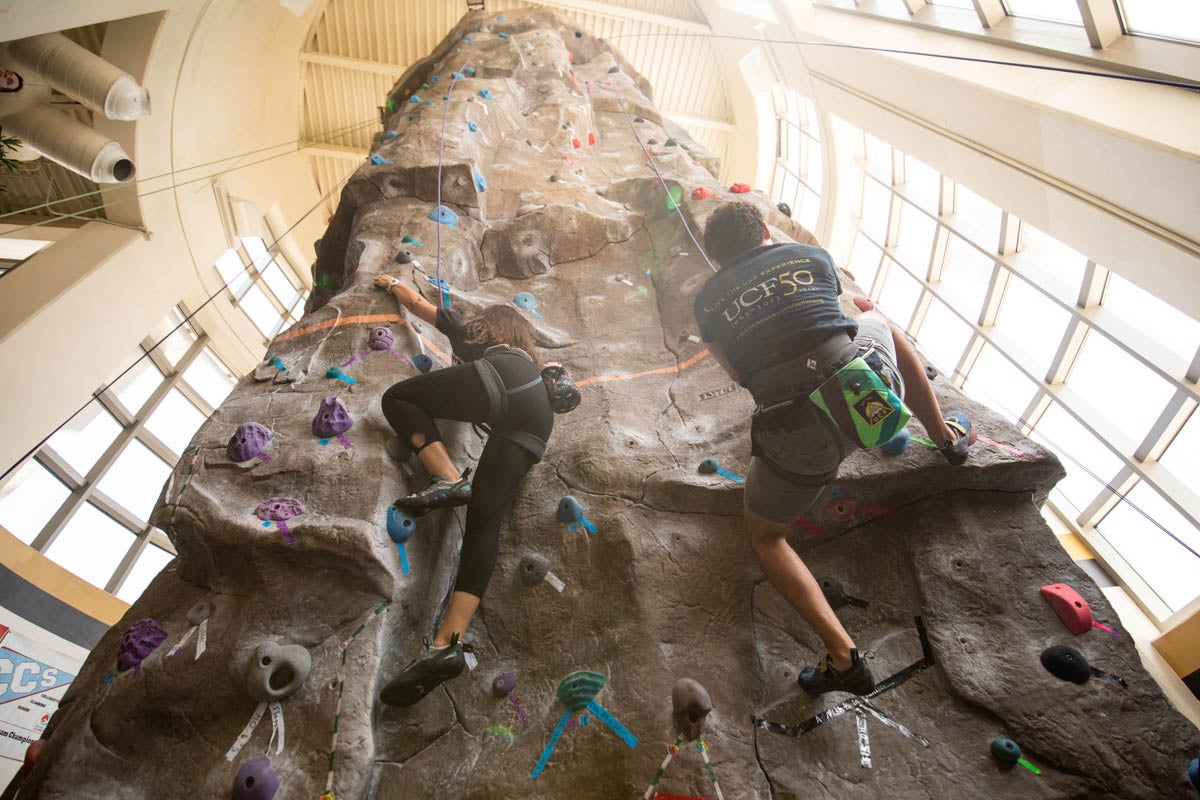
x=943, y=337
x=1054, y=10
x=1168, y=326
x=256, y=248
x=810, y=207
x=1133, y=528
x=1182, y=457
x=1089, y=464
x=1126, y=393
x=136, y=386
x=996, y=382
x=954, y=3
x=916, y=239
x=781, y=142
x=1171, y=19
x=793, y=147
x=977, y=218
x=211, y=378
x=135, y=479
x=260, y=311
x=777, y=182
x=233, y=272
x=791, y=185
x=814, y=173
x=864, y=262
x=1052, y=256
x=922, y=183
x=145, y=569
x=298, y=308
x=1033, y=323
x=173, y=345
x=175, y=421
x=879, y=157
x=91, y=545
x=899, y=297
x=877, y=201
x=29, y=499
x=279, y=284
x=810, y=117
x=966, y=273
x=82, y=440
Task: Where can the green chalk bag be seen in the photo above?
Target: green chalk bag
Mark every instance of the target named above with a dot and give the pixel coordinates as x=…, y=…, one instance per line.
x=861, y=405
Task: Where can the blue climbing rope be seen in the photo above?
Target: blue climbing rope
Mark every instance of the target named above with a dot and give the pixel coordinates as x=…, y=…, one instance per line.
x=441, y=148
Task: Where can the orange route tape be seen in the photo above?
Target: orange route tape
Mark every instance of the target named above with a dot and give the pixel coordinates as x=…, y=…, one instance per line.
x=366, y=319
x=661, y=371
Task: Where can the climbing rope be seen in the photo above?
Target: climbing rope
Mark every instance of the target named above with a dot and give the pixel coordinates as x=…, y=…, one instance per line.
x=341, y=688
x=441, y=149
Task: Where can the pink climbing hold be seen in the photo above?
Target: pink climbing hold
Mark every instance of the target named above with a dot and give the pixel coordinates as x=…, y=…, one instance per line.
x=740, y=188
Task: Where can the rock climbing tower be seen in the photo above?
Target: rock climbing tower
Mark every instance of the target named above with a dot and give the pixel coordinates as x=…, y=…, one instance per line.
x=524, y=162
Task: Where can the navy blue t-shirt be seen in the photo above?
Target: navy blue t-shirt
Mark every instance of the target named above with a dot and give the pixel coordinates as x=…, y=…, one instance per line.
x=772, y=305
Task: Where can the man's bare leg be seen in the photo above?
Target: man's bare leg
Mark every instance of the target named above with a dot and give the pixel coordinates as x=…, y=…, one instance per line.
x=788, y=574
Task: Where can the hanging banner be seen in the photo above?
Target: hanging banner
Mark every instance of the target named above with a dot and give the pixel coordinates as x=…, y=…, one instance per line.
x=33, y=679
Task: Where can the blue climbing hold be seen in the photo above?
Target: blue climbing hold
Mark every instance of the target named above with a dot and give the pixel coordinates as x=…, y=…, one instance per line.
x=400, y=525
x=430, y=104
x=277, y=363
x=480, y=183
x=422, y=362
x=440, y=283
x=471, y=126
x=410, y=240
x=500, y=18
x=504, y=36
x=435, y=78
x=528, y=302
x=469, y=39
x=390, y=135
x=469, y=70
x=414, y=99
x=445, y=216
x=710, y=465
x=486, y=94
x=458, y=76
x=897, y=444
x=570, y=510
x=378, y=159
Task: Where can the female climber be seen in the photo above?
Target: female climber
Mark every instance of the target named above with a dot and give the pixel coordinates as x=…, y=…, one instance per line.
x=499, y=382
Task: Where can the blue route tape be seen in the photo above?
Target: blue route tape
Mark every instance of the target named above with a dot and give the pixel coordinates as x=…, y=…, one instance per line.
x=730, y=475
x=587, y=523
x=403, y=557
x=550, y=745
x=601, y=713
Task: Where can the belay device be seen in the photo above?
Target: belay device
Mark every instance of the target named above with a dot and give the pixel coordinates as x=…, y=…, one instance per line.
x=861, y=404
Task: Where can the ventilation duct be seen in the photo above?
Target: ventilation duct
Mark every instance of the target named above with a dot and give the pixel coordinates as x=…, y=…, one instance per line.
x=81, y=74
x=70, y=143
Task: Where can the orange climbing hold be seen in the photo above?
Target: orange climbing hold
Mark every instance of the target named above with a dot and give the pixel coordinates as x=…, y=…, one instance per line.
x=576, y=143
x=701, y=193
x=740, y=188
x=591, y=138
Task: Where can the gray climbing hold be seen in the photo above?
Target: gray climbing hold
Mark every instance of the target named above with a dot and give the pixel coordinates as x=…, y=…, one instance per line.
x=611, y=70
x=555, y=177
x=690, y=707
x=277, y=671
x=652, y=141
x=200, y=612
x=404, y=257
x=671, y=143
x=533, y=569
x=638, y=119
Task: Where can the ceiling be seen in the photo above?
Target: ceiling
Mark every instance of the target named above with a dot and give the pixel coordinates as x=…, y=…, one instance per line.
x=357, y=49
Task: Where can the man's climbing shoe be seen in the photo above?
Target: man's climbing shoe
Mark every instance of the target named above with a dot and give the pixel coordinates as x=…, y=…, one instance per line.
x=433, y=668
x=856, y=678
x=956, y=451
x=440, y=493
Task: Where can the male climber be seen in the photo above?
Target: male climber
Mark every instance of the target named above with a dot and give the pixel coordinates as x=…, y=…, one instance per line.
x=772, y=318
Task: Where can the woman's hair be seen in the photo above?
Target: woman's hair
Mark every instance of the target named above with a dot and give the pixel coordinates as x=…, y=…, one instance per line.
x=502, y=325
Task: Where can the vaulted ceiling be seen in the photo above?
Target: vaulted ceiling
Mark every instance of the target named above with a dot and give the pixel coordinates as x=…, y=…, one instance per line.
x=359, y=48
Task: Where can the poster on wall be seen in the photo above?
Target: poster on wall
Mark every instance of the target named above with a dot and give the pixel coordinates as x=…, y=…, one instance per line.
x=33, y=679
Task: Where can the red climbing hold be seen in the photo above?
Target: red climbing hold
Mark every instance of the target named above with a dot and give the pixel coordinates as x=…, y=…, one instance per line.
x=576, y=143
x=570, y=57
x=740, y=188
x=1070, y=607
x=701, y=193
x=591, y=138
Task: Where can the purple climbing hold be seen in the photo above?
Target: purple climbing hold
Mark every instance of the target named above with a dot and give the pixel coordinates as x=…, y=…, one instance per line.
x=256, y=780
x=381, y=339
x=504, y=683
x=278, y=509
x=248, y=442
x=332, y=418
x=138, y=643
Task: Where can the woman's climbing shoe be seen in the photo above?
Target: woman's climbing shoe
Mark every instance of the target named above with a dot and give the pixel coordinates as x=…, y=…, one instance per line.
x=956, y=451
x=856, y=678
x=433, y=668
x=440, y=493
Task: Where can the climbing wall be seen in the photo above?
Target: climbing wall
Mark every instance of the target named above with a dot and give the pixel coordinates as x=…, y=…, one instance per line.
x=290, y=604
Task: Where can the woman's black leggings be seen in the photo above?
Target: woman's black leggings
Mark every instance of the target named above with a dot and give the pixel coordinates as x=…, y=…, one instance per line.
x=458, y=393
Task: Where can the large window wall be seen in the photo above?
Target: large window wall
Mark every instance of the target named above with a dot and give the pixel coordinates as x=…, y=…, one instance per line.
x=85, y=497
x=797, y=175
x=1079, y=357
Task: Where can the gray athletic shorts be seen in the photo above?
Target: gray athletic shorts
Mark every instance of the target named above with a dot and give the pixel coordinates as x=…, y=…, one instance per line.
x=813, y=449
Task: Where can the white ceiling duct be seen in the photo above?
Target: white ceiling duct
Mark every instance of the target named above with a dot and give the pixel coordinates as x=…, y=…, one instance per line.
x=80, y=74
x=70, y=143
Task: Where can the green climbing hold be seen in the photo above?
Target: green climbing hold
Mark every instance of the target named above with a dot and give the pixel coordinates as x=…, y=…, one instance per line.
x=676, y=195
x=391, y=104
x=580, y=688
x=425, y=86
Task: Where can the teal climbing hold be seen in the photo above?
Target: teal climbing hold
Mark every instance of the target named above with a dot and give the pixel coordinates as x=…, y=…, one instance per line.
x=378, y=159
x=504, y=36
x=579, y=688
x=527, y=301
x=500, y=18
x=430, y=104
x=471, y=126
x=710, y=465
x=444, y=216
x=411, y=117
x=390, y=135
x=414, y=100
x=458, y=76
x=410, y=240
x=480, y=183
x=486, y=94
x=469, y=39
x=469, y=70
x=435, y=78
x=336, y=372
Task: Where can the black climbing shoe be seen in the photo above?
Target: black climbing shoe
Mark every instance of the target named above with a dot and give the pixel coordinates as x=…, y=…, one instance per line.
x=956, y=451
x=433, y=668
x=856, y=679
x=439, y=494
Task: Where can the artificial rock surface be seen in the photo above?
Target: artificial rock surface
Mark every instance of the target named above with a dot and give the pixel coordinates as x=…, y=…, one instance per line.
x=666, y=588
